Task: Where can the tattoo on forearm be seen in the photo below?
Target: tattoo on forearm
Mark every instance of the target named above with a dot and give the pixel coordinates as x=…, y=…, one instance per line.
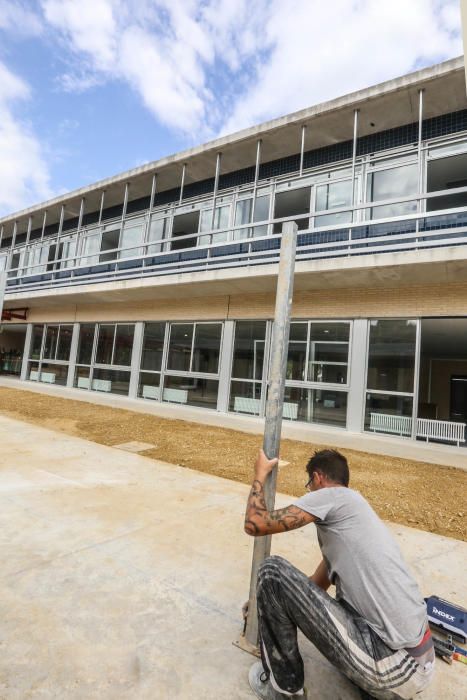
x=280, y=520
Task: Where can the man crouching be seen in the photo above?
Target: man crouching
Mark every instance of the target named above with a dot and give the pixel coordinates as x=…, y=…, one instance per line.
x=375, y=630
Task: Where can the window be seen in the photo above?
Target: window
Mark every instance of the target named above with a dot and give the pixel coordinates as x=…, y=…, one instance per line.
x=244, y=214
x=221, y=220
x=391, y=374
x=184, y=225
x=132, y=236
x=90, y=249
x=324, y=406
x=334, y=195
x=151, y=361
x=247, y=367
x=292, y=202
x=106, y=372
x=391, y=184
x=50, y=353
x=192, y=364
x=194, y=347
x=158, y=231
x=109, y=243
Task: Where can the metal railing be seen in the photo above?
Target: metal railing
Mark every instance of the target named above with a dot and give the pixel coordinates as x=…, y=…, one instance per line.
x=239, y=247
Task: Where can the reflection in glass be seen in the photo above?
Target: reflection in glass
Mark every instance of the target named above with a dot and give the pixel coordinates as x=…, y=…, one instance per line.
x=64, y=343
x=53, y=373
x=245, y=397
x=296, y=357
x=111, y=381
x=391, y=355
x=50, y=345
x=206, y=348
x=158, y=230
x=181, y=337
x=153, y=346
x=390, y=184
x=123, y=344
x=149, y=385
x=36, y=344
x=132, y=235
x=85, y=343
x=191, y=391
x=105, y=343
x=389, y=414
x=248, y=354
x=323, y=406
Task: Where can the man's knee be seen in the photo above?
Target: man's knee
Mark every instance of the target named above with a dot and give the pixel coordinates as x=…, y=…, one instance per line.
x=272, y=569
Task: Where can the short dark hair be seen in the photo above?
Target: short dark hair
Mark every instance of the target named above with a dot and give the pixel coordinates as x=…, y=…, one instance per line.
x=331, y=464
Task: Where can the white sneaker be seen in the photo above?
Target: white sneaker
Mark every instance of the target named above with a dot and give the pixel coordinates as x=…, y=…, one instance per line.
x=262, y=688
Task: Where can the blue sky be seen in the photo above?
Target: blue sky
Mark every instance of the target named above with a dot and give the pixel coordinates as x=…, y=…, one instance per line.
x=89, y=88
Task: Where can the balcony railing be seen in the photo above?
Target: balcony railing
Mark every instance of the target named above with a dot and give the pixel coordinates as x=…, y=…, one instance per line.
x=231, y=247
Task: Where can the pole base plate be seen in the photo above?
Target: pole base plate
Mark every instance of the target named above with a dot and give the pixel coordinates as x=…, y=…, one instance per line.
x=243, y=644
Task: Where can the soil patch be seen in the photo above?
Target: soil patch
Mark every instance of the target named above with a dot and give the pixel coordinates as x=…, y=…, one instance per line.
x=426, y=496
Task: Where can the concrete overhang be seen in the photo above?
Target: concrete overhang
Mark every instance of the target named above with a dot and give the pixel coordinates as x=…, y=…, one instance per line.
x=383, y=106
x=438, y=266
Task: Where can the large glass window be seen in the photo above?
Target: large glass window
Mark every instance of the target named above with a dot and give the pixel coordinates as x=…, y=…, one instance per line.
x=325, y=406
x=158, y=231
x=114, y=347
x=151, y=361
x=114, y=344
x=90, y=249
x=391, y=374
x=131, y=237
x=318, y=352
x=392, y=183
x=292, y=202
x=334, y=195
x=50, y=352
x=194, y=347
x=391, y=355
x=247, y=366
x=221, y=220
x=193, y=391
x=248, y=211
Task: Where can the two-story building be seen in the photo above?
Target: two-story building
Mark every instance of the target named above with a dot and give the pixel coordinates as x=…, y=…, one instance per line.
x=159, y=283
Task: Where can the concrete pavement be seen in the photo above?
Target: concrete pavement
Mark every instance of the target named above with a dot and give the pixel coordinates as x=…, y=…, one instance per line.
x=123, y=578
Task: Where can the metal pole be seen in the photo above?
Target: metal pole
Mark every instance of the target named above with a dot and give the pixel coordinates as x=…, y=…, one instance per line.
x=354, y=152
x=302, y=149
x=59, y=233
x=28, y=232
x=80, y=216
x=153, y=192
x=182, y=184
x=255, y=186
x=1, y=235
x=125, y=201
x=216, y=185
x=44, y=219
x=420, y=170
x=274, y=404
x=101, y=208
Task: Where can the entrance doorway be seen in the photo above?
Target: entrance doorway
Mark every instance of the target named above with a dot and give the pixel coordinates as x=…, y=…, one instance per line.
x=12, y=339
x=459, y=399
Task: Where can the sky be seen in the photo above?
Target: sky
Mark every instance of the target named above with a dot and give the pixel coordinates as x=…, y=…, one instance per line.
x=90, y=88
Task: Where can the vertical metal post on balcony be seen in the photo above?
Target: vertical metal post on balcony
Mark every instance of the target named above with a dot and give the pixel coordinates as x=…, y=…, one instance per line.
x=302, y=149
x=101, y=208
x=12, y=246
x=255, y=184
x=44, y=219
x=125, y=201
x=78, y=231
x=354, y=161
x=274, y=408
x=216, y=185
x=28, y=232
x=153, y=192
x=1, y=235
x=59, y=233
x=182, y=184
x=419, y=156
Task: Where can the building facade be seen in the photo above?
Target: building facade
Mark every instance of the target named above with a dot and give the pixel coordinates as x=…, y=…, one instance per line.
x=159, y=283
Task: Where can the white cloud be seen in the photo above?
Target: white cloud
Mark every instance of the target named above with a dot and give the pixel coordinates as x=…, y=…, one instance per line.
x=24, y=176
x=210, y=65
x=19, y=18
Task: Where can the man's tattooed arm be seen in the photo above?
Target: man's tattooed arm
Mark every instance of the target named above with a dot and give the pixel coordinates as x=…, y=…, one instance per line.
x=259, y=521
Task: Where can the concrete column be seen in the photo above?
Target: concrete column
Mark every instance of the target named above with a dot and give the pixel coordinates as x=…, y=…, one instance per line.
x=136, y=359
x=26, y=352
x=357, y=367
x=225, y=366
x=73, y=355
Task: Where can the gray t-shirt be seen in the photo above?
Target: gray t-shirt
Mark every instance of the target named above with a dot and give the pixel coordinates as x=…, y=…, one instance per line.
x=366, y=566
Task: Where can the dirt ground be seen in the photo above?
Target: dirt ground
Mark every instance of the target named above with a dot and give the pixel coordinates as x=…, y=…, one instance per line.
x=426, y=496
